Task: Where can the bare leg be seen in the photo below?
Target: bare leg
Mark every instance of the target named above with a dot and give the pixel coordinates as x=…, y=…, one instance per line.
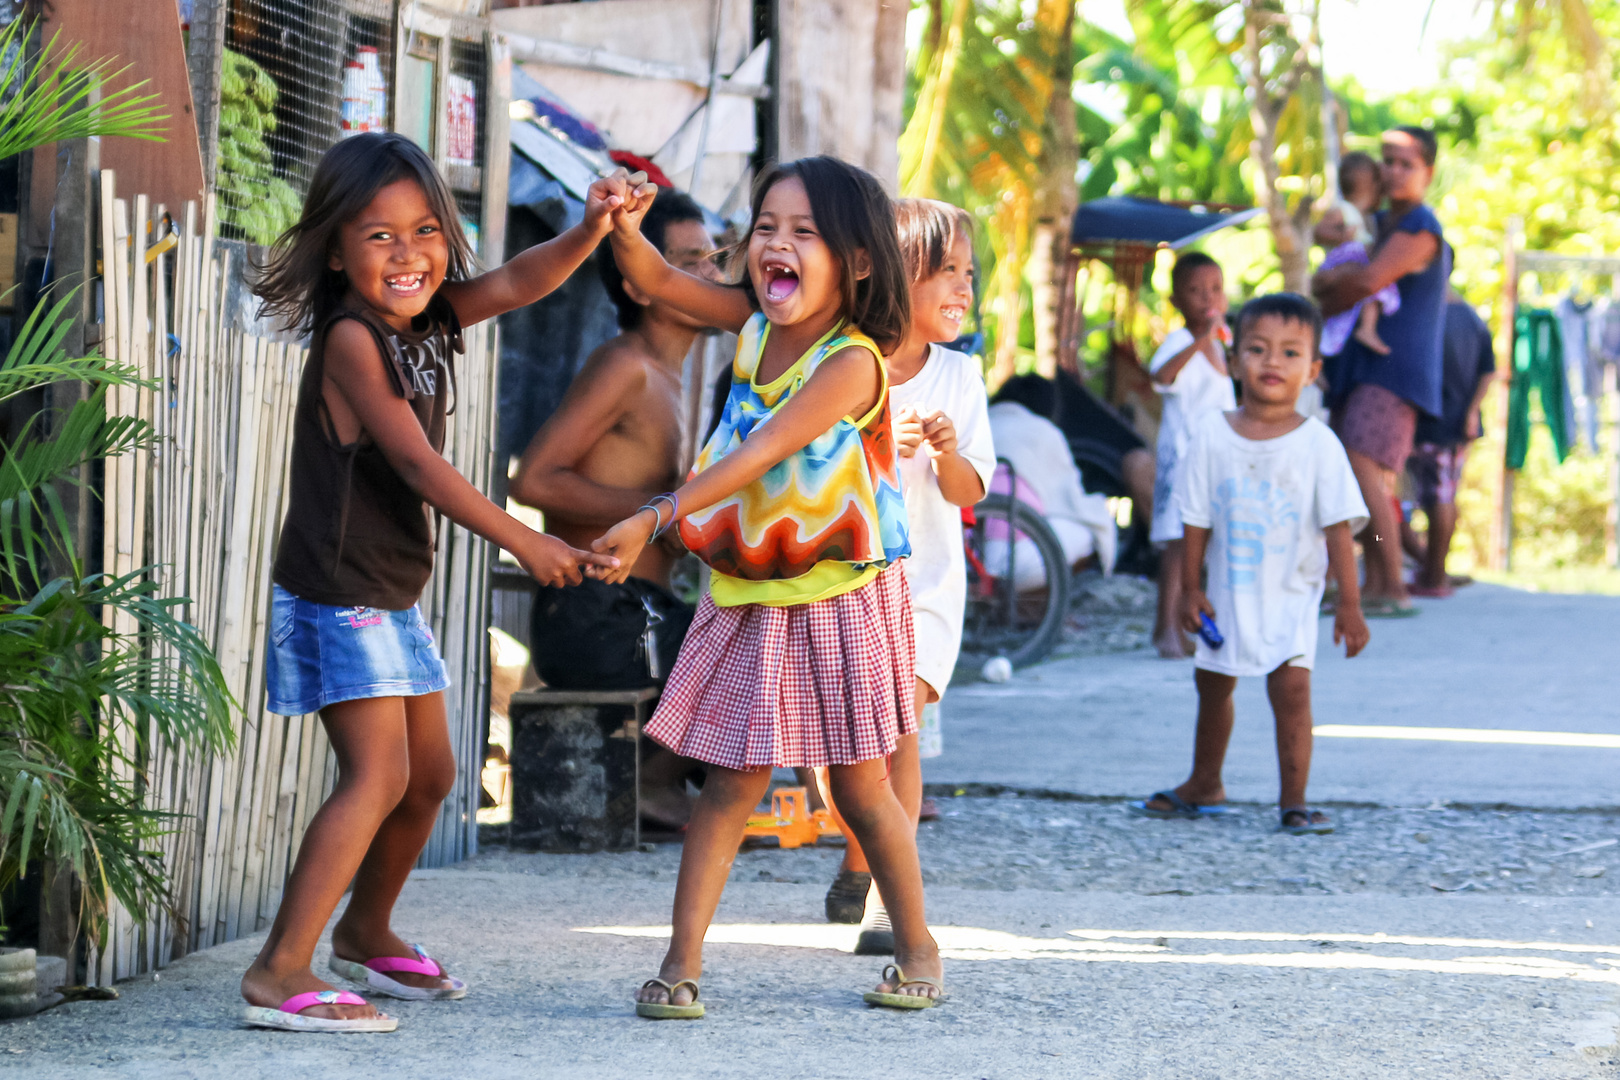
x=1171, y=642
x=370, y=739
x=1413, y=545
x=815, y=787
x=712, y=838
x=1216, y=714
x=905, y=776
x=1136, y=469
x=1290, y=691
x=1382, y=539
x=1366, y=330
x=1442, y=526
x=887, y=834
x=364, y=932
x=663, y=788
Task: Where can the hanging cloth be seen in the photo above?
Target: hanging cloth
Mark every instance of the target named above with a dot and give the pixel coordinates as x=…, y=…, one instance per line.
x=1538, y=365
x=1583, y=373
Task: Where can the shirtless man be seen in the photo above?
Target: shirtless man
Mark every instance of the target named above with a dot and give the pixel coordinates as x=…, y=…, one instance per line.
x=615, y=442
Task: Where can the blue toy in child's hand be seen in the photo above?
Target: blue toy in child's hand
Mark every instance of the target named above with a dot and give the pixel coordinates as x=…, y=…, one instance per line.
x=1207, y=631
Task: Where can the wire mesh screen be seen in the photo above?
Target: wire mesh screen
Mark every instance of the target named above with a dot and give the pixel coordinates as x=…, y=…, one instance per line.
x=281, y=99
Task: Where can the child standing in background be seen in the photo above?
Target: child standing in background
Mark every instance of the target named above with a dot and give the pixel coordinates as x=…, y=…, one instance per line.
x=942, y=430
x=1189, y=372
x=1343, y=231
x=377, y=268
x=802, y=653
x=1268, y=494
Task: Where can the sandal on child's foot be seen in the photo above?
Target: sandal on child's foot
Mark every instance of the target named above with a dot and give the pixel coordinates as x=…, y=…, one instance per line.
x=896, y=1000
x=877, y=933
x=289, y=1015
x=1303, y=821
x=846, y=896
x=668, y=1010
x=373, y=974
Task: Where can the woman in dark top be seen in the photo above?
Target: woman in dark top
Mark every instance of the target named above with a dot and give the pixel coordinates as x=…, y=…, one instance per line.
x=1376, y=399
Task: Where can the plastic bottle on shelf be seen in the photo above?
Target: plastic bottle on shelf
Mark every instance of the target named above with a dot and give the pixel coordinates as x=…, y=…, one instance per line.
x=356, y=99
x=377, y=86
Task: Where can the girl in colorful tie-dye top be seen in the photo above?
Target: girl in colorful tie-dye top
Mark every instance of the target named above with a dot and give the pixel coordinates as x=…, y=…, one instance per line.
x=802, y=654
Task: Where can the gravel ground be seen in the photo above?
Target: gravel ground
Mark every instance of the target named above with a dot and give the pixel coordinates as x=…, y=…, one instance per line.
x=1108, y=615
x=1008, y=842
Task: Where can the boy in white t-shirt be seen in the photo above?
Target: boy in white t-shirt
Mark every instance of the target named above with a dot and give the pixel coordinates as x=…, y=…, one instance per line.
x=1269, y=495
x=1189, y=372
x=942, y=431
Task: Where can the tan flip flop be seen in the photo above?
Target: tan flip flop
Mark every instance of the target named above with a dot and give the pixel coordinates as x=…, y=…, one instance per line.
x=653, y=1010
x=904, y=1001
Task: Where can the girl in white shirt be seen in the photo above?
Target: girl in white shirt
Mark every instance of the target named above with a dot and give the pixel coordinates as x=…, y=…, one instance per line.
x=1189, y=371
x=946, y=462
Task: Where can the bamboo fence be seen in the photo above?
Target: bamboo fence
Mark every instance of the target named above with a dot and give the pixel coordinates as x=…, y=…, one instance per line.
x=202, y=510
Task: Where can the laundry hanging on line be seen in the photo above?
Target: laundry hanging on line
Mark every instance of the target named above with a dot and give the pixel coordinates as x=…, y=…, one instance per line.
x=1590, y=329
x=1538, y=367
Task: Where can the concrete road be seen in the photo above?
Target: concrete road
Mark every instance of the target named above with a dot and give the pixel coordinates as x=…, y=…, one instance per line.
x=1080, y=941
x=1043, y=985
x=1490, y=657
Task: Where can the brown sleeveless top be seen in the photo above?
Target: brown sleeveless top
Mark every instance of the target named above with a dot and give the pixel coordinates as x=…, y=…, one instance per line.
x=355, y=534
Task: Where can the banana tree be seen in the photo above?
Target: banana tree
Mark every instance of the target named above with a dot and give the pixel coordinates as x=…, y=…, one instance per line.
x=81, y=704
x=1272, y=48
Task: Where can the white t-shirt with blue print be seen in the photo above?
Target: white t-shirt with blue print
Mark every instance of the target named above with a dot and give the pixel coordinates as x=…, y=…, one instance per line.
x=1266, y=503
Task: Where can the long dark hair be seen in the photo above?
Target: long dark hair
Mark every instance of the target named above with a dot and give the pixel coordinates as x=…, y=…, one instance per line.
x=853, y=213
x=295, y=286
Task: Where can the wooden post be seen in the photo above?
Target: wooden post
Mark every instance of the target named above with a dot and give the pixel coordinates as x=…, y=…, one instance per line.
x=1501, y=554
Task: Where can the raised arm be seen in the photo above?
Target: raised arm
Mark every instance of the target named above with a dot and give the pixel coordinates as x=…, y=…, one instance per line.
x=846, y=384
x=725, y=307
x=1340, y=288
x=1167, y=372
x=548, y=477
x=355, y=368
x=541, y=269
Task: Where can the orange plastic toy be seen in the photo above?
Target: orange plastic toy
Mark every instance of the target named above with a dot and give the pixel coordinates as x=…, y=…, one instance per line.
x=791, y=821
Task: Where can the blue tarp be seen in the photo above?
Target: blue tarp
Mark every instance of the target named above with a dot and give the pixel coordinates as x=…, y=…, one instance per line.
x=1124, y=219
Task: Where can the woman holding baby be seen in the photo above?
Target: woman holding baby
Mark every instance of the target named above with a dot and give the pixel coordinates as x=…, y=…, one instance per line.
x=1376, y=397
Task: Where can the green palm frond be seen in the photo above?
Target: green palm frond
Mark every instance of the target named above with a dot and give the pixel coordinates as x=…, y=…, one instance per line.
x=37, y=357
x=58, y=99
x=73, y=694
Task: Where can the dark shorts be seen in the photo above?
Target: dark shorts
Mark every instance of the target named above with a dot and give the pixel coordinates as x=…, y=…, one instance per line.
x=1436, y=471
x=1378, y=424
x=320, y=654
x=590, y=636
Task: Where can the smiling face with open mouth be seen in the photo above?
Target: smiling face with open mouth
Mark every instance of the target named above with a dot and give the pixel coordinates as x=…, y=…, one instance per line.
x=940, y=301
x=794, y=272
x=394, y=253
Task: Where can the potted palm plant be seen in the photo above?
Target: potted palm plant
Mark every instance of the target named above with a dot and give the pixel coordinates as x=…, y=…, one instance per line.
x=81, y=704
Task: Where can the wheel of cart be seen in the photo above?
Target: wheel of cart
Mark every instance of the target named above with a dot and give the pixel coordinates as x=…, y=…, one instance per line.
x=1017, y=578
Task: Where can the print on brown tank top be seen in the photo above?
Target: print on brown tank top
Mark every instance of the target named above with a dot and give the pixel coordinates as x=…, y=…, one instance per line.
x=355, y=533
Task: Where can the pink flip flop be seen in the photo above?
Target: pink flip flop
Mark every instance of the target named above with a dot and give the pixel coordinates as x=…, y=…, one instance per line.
x=373, y=974
x=288, y=1017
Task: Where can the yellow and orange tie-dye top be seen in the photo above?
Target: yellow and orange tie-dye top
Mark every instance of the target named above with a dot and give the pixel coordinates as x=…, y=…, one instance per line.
x=822, y=522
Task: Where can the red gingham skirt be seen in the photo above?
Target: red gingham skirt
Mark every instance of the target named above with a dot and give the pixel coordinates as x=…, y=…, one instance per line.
x=828, y=683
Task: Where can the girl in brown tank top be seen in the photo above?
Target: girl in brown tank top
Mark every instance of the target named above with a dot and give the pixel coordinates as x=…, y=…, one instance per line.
x=379, y=273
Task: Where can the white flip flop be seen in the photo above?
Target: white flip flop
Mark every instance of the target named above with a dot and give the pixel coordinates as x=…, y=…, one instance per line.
x=373, y=974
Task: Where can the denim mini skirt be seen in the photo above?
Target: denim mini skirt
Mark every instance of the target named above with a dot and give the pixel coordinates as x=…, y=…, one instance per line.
x=320, y=654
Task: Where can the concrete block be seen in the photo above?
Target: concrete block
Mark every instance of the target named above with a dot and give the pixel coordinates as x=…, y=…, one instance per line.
x=576, y=767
